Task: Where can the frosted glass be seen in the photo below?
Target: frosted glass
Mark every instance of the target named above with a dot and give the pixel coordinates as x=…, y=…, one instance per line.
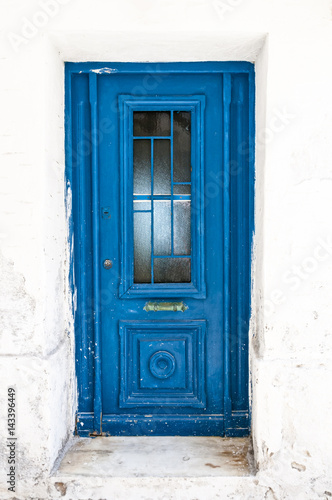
x=142, y=166
x=142, y=247
x=147, y=123
x=182, y=228
x=172, y=270
x=182, y=146
x=142, y=205
x=162, y=228
x=182, y=189
x=161, y=166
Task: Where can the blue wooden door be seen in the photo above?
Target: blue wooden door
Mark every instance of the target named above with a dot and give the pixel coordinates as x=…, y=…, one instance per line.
x=160, y=159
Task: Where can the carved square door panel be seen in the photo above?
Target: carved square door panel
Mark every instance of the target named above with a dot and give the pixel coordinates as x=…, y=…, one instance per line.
x=162, y=363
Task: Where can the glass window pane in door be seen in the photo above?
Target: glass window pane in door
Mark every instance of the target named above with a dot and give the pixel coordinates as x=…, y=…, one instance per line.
x=172, y=270
x=182, y=189
x=182, y=146
x=182, y=227
x=161, y=166
x=152, y=123
x=142, y=166
x=162, y=227
x=140, y=205
x=142, y=247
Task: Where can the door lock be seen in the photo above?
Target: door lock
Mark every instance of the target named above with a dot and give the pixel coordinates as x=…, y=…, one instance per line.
x=107, y=264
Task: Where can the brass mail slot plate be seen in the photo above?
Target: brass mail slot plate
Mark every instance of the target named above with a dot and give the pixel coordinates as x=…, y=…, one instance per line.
x=165, y=306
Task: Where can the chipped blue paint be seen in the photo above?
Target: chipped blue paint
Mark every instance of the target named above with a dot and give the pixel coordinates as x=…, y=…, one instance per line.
x=143, y=373
x=104, y=71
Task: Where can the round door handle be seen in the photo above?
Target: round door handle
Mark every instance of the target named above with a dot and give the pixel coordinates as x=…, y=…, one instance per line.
x=107, y=264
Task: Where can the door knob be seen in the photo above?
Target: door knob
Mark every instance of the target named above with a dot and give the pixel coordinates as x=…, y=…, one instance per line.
x=107, y=264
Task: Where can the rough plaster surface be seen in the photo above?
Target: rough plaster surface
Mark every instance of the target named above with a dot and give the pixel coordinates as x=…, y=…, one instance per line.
x=291, y=350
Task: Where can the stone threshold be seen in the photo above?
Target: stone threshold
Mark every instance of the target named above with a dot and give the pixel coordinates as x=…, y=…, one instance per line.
x=156, y=456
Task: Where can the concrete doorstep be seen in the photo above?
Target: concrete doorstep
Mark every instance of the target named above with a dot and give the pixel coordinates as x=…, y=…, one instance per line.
x=154, y=467
x=157, y=457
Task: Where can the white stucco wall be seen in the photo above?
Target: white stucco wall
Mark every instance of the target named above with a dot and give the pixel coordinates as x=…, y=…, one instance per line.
x=291, y=348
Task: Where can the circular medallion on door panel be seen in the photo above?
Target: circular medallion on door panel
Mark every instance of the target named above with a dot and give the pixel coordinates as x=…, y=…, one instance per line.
x=162, y=364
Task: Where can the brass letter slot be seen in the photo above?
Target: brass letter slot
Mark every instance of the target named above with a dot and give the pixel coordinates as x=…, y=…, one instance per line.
x=165, y=306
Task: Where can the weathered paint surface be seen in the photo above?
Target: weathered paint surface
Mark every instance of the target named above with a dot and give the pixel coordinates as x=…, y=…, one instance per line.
x=206, y=391
x=151, y=456
x=291, y=325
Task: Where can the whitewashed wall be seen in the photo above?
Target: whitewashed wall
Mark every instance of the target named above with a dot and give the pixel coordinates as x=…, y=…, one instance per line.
x=291, y=350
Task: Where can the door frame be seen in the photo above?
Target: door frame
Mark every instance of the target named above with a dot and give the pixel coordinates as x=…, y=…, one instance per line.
x=236, y=423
